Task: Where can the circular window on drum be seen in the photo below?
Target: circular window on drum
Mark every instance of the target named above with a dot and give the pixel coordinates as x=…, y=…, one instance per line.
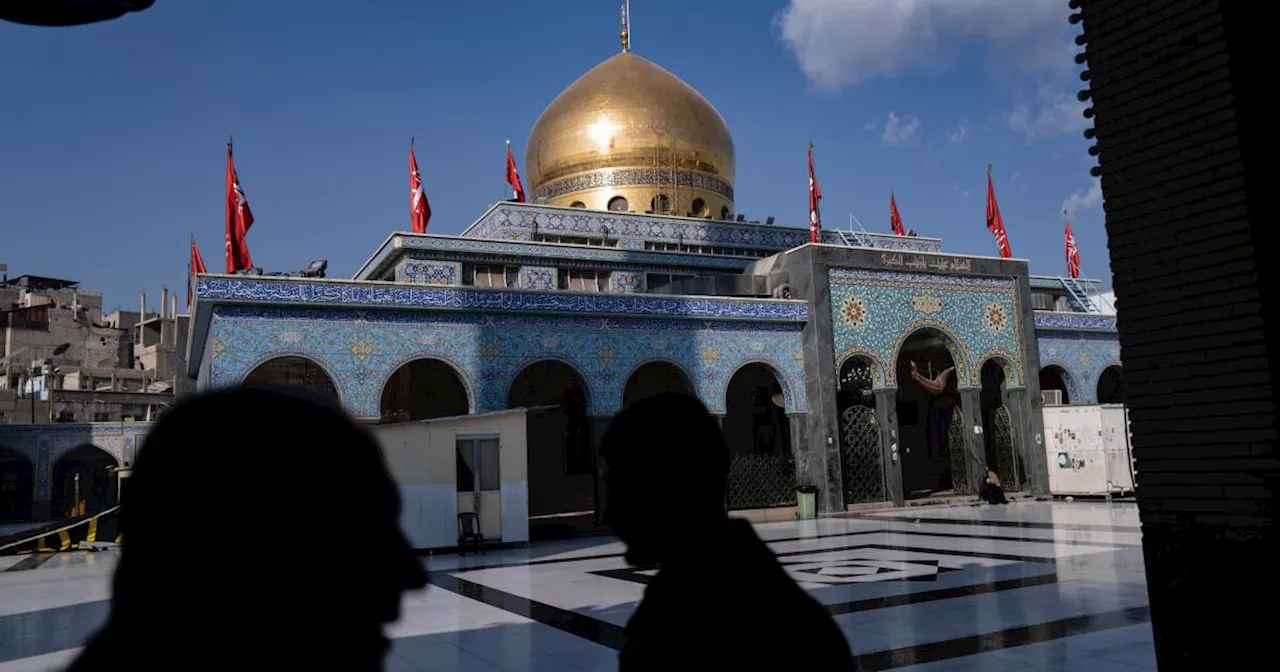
x=853, y=310
x=618, y=204
x=577, y=204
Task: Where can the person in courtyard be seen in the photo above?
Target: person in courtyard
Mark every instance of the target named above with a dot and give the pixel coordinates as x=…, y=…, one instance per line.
x=720, y=599
x=260, y=531
x=992, y=492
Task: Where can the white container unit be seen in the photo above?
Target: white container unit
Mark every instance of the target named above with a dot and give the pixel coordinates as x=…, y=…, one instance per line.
x=1088, y=450
x=468, y=463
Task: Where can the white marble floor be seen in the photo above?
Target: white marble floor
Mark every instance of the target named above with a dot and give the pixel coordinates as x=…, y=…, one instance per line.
x=1030, y=586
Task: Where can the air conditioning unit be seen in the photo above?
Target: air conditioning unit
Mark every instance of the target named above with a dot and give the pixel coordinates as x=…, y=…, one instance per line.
x=1050, y=397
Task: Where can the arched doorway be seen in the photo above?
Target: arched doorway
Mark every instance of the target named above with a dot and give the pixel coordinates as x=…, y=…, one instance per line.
x=861, y=460
x=561, y=457
x=89, y=472
x=17, y=483
x=762, y=471
x=1111, y=385
x=1054, y=377
x=932, y=451
x=294, y=371
x=423, y=389
x=654, y=378
x=997, y=427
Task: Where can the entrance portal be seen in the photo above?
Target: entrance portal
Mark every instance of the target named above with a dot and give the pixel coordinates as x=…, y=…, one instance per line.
x=997, y=428
x=89, y=473
x=928, y=401
x=17, y=481
x=422, y=390
x=561, y=453
x=762, y=472
x=861, y=460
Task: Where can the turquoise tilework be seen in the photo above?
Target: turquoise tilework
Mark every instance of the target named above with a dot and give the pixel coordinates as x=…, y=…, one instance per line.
x=873, y=313
x=361, y=349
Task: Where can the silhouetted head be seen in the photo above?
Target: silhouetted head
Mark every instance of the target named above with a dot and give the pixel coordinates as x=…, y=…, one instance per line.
x=261, y=528
x=666, y=463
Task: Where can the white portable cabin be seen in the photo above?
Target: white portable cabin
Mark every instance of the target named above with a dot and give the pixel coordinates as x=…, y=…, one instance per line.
x=487, y=452
x=1089, y=450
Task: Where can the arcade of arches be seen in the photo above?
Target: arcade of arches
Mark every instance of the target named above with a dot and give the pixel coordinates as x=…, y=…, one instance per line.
x=294, y=371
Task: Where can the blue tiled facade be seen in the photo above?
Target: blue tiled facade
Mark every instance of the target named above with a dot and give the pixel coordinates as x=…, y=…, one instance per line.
x=411, y=301
x=874, y=312
x=360, y=349
x=1083, y=356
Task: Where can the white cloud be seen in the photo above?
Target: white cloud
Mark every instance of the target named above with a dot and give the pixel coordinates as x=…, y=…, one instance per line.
x=1053, y=113
x=871, y=125
x=958, y=134
x=900, y=130
x=1083, y=200
x=840, y=42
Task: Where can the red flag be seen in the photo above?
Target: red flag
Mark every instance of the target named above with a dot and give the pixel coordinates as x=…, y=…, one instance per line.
x=995, y=223
x=513, y=175
x=239, y=219
x=815, y=195
x=1073, y=254
x=419, y=208
x=895, y=218
x=194, y=266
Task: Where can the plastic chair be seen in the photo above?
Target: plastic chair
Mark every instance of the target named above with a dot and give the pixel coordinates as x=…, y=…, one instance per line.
x=469, y=532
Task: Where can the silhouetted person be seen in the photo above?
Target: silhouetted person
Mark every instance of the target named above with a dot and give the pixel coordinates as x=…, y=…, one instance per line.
x=261, y=531
x=720, y=600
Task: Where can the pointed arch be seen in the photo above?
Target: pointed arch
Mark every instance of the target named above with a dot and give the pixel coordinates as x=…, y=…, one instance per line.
x=956, y=347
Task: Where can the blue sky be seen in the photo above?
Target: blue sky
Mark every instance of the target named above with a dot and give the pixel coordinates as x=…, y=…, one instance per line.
x=112, y=135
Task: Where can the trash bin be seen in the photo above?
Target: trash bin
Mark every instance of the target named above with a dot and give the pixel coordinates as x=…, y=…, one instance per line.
x=806, y=502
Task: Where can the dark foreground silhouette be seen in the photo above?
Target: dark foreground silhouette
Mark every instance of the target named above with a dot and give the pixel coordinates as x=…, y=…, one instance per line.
x=720, y=600
x=261, y=531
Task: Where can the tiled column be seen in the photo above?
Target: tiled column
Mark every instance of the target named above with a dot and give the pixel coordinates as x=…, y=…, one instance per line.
x=887, y=418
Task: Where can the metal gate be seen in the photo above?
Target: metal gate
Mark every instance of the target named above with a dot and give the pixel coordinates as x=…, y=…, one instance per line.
x=761, y=481
x=955, y=444
x=1002, y=455
x=861, y=463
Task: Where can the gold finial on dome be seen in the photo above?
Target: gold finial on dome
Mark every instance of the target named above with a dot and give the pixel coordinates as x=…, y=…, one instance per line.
x=626, y=26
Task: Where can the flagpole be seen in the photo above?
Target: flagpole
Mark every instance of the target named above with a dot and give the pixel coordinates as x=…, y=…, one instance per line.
x=504, y=168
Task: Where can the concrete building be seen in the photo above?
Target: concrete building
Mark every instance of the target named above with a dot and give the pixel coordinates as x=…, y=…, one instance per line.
x=63, y=360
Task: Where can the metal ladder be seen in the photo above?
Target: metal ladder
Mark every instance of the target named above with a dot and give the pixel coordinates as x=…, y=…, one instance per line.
x=855, y=239
x=1078, y=294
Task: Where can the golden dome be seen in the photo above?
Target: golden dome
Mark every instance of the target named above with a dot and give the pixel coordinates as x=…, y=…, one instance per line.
x=629, y=129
